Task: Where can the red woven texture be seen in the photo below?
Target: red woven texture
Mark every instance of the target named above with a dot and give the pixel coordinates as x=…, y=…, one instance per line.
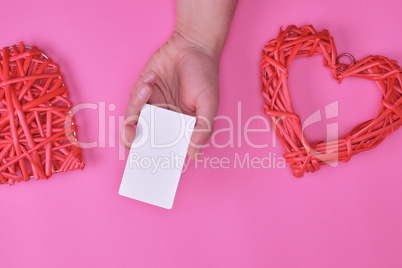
x=302, y=156
x=37, y=129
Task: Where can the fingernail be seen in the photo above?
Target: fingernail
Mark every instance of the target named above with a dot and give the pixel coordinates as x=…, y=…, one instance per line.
x=143, y=93
x=126, y=134
x=150, y=78
x=196, y=153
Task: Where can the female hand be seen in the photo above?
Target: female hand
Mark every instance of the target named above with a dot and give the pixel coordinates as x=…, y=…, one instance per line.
x=183, y=74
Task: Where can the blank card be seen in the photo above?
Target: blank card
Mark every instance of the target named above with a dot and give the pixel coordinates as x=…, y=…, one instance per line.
x=157, y=156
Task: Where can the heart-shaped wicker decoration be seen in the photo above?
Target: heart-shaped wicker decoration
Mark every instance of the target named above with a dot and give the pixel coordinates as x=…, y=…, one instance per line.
x=37, y=129
x=306, y=41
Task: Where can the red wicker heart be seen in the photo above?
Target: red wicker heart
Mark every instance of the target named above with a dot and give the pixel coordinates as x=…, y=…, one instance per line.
x=38, y=133
x=306, y=41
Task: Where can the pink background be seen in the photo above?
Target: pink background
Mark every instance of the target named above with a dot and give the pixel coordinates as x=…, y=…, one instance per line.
x=348, y=216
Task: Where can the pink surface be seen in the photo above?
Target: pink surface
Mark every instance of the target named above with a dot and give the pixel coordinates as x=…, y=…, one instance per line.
x=344, y=216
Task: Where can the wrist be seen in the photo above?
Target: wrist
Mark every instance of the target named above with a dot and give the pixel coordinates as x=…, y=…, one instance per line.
x=205, y=22
x=213, y=45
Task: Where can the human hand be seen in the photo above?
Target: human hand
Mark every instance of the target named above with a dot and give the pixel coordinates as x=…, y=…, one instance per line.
x=183, y=76
x=183, y=73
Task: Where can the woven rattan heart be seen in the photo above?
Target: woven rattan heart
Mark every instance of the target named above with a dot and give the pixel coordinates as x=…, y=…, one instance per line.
x=37, y=129
x=306, y=41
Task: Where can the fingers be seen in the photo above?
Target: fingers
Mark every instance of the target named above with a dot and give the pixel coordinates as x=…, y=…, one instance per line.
x=204, y=125
x=139, y=95
x=127, y=134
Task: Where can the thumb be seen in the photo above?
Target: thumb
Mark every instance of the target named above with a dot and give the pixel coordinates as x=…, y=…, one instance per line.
x=139, y=95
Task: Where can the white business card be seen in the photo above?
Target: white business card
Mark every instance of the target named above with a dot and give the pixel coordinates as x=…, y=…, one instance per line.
x=157, y=156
